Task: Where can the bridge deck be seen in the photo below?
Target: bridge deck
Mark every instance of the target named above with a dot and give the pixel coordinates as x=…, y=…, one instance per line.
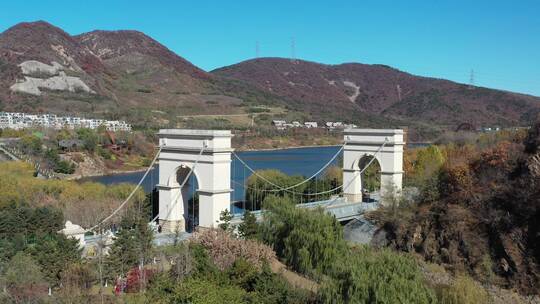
x=340, y=208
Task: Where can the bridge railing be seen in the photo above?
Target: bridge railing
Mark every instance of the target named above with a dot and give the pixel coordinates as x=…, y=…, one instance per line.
x=339, y=207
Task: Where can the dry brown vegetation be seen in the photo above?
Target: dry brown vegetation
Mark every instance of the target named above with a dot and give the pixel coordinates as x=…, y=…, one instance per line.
x=136, y=78
x=314, y=87
x=82, y=203
x=225, y=249
x=482, y=217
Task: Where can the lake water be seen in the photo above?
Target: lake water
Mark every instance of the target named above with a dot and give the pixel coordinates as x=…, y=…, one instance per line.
x=302, y=161
x=295, y=161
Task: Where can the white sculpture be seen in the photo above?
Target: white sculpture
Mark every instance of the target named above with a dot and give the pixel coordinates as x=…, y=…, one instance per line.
x=75, y=232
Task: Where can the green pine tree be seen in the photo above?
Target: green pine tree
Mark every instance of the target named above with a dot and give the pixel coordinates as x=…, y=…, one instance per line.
x=123, y=254
x=53, y=252
x=133, y=244
x=225, y=218
x=248, y=228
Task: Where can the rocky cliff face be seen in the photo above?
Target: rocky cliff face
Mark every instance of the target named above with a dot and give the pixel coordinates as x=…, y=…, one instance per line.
x=44, y=68
x=38, y=76
x=36, y=56
x=111, y=45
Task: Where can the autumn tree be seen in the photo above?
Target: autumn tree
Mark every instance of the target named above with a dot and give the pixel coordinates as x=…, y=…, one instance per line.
x=23, y=279
x=425, y=172
x=77, y=279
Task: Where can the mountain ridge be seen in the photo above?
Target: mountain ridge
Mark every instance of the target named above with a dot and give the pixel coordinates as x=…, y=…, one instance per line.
x=126, y=73
x=384, y=90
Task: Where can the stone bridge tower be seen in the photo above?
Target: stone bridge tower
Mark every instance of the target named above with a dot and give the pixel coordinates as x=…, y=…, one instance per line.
x=365, y=142
x=181, y=153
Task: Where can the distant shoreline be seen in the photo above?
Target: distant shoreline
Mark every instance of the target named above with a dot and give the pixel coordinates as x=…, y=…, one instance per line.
x=419, y=144
x=119, y=172
x=286, y=148
x=108, y=173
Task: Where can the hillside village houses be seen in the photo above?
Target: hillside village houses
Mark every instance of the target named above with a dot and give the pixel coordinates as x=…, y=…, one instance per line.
x=282, y=125
x=23, y=120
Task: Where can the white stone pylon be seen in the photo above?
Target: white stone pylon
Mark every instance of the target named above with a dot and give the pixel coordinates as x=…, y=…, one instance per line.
x=181, y=154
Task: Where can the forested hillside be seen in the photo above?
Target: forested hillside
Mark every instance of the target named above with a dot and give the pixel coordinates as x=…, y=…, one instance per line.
x=449, y=245
x=478, y=209
x=129, y=75
x=382, y=91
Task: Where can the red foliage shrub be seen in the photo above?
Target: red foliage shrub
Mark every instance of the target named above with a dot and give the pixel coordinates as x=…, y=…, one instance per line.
x=496, y=158
x=494, y=165
x=137, y=279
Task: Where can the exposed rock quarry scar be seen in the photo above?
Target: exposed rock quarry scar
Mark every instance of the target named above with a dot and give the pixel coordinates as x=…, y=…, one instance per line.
x=56, y=80
x=356, y=88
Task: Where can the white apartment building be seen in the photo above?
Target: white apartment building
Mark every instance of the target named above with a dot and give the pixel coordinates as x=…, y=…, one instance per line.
x=282, y=125
x=22, y=120
x=310, y=124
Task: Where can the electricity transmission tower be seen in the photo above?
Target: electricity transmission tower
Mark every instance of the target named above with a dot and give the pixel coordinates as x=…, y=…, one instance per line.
x=257, y=49
x=293, y=50
x=471, y=80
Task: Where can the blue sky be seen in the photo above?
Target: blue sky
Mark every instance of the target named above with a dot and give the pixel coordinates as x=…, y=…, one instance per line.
x=499, y=40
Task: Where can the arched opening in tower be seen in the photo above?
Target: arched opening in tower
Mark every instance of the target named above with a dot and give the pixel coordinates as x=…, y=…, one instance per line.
x=189, y=196
x=371, y=177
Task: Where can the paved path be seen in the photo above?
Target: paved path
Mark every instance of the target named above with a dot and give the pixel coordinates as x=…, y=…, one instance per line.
x=343, y=211
x=160, y=239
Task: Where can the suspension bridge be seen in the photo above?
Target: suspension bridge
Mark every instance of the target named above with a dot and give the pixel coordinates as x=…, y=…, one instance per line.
x=197, y=163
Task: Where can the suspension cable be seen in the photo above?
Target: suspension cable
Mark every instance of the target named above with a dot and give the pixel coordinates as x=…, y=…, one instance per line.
x=192, y=169
x=245, y=186
x=292, y=192
x=360, y=172
x=293, y=186
x=130, y=195
x=335, y=188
